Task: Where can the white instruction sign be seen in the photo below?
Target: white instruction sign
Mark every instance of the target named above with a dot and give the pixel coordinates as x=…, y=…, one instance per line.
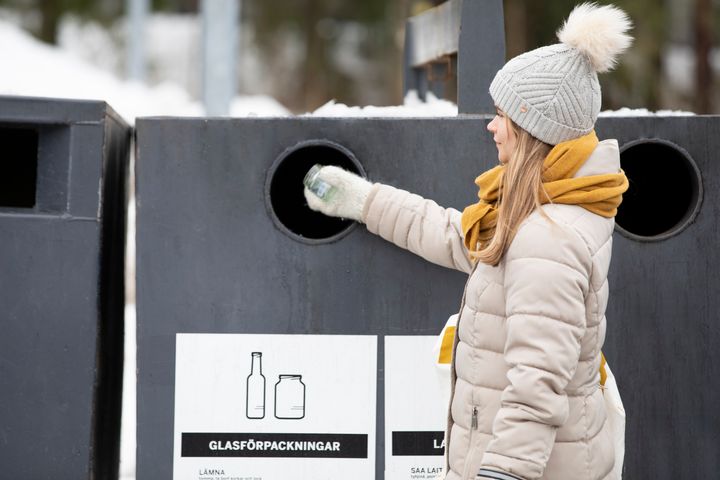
x=417, y=392
x=273, y=407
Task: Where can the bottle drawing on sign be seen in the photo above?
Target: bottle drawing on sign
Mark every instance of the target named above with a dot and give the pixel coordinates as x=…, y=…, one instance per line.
x=290, y=397
x=255, y=400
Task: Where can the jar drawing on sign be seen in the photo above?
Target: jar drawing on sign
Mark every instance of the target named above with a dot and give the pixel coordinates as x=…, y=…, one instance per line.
x=290, y=397
x=255, y=398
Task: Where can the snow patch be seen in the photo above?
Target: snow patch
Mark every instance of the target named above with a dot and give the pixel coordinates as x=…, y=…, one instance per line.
x=412, y=107
x=129, y=406
x=643, y=112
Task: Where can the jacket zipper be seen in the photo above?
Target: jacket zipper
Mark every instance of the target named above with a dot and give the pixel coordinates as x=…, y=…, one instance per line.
x=452, y=367
x=468, y=455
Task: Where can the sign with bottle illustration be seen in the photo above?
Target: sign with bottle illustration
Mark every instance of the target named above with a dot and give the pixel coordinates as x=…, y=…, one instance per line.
x=417, y=392
x=267, y=407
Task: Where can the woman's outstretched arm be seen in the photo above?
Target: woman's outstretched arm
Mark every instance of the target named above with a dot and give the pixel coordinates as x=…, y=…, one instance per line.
x=418, y=225
x=403, y=218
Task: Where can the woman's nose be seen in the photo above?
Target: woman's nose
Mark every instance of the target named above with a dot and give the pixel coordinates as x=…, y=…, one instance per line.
x=491, y=126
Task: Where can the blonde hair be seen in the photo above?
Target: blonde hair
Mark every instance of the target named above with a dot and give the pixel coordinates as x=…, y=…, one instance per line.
x=520, y=190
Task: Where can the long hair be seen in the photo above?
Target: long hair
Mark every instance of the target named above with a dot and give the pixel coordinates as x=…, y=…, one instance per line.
x=520, y=190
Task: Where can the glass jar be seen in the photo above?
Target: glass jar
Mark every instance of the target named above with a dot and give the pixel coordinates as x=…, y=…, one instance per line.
x=290, y=397
x=319, y=187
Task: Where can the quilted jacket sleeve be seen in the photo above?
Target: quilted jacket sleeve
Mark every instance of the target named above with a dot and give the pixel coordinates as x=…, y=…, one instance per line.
x=416, y=224
x=547, y=270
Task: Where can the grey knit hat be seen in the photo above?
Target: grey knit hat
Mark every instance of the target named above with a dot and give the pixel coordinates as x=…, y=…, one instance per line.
x=553, y=92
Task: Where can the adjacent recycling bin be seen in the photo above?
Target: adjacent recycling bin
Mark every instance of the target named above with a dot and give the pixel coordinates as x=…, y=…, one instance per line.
x=662, y=335
x=63, y=193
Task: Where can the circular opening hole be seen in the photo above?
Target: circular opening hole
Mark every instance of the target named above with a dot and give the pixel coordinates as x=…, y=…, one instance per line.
x=665, y=190
x=284, y=191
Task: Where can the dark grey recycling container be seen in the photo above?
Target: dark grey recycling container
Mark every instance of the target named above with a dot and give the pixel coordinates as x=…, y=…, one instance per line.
x=225, y=243
x=221, y=219
x=663, y=316
x=63, y=193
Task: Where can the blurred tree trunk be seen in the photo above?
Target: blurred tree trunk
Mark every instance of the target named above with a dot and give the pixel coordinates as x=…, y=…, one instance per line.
x=703, y=43
x=50, y=11
x=396, y=74
x=190, y=6
x=313, y=69
x=516, y=28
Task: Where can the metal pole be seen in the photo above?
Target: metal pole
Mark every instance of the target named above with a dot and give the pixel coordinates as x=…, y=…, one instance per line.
x=137, y=12
x=220, y=34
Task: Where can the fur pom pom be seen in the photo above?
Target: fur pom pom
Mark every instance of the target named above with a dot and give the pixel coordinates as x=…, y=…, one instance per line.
x=599, y=32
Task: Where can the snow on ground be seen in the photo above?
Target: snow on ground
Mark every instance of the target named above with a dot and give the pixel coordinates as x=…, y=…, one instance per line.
x=129, y=408
x=32, y=68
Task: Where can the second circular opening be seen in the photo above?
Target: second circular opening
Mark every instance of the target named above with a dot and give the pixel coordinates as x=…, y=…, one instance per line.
x=665, y=190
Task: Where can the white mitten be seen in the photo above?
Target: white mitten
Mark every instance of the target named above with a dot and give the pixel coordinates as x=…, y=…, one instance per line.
x=348, y=199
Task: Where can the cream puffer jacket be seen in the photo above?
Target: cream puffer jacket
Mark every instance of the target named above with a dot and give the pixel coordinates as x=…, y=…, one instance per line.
x=525, y=399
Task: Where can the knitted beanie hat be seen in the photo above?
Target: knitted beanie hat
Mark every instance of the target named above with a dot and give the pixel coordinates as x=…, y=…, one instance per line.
x=553, y=92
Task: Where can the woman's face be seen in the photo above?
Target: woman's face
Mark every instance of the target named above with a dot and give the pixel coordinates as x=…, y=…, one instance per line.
x=502, y=135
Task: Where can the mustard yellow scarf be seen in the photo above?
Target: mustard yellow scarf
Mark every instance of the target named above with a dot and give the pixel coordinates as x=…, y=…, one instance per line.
x=600, y=194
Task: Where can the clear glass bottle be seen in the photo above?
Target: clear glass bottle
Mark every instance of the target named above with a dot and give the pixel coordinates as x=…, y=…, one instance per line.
x=290, y=397
x=255, y=401
x=319, y=187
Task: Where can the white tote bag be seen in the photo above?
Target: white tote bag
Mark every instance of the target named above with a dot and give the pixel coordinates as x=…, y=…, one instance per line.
x=616, y=418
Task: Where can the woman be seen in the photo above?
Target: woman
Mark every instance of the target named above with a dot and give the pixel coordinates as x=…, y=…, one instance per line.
x=525, y=402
